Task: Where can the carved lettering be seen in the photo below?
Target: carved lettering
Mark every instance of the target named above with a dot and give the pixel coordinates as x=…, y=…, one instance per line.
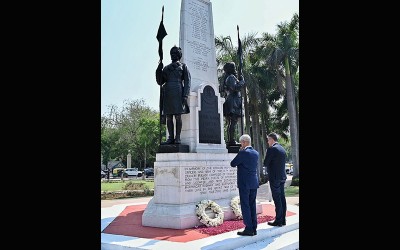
x=210, y=179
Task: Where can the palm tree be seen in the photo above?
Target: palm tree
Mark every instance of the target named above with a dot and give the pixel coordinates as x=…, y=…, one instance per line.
x=271, y=112
x=284, y=59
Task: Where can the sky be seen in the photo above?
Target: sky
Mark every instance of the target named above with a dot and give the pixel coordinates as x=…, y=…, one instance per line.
x=129, y=48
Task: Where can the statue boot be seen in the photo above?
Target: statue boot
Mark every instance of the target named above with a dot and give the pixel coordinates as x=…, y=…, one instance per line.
x=231, y=132
x=178, y=121
x=170, y=127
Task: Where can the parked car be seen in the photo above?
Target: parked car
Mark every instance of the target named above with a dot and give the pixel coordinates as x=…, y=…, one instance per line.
x=148, y=172
x=133, y=172
x=289, y=168
x=103, y=174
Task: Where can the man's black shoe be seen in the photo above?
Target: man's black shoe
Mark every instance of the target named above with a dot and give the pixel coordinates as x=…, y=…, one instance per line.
x=275, y=224
x=244, y=233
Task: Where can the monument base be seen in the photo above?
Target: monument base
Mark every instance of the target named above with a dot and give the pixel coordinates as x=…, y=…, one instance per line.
x=182, y=180
x=183, y=216
x=173, y=148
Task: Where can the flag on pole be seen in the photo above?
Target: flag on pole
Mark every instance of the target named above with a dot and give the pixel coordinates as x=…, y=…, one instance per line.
x=161, y=33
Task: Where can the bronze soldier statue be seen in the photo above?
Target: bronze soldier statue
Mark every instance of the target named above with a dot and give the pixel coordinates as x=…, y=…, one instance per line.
x=175, y=81
x=233, y=103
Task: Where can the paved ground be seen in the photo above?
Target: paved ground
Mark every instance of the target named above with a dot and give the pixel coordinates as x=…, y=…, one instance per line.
x=269, y=238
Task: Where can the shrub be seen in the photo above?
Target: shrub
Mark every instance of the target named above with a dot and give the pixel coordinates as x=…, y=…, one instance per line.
x=147, y=191
x=133, y=186
x=295, y=182
x=126, y=194
x=130, y=190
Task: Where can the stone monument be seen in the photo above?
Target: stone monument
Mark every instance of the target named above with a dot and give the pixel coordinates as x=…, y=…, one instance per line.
x=182, y=180
x=129, y=159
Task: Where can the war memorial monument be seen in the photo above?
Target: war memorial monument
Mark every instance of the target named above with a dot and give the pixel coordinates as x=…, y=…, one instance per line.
x=199, y=169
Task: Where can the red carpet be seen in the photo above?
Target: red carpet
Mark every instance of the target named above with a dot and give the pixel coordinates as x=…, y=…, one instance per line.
x=129, y=223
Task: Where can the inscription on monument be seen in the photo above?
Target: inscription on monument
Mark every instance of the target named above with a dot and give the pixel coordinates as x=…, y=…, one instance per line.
x=199, y=19
x=209, y=118
x=199, y=33
x=210, y=179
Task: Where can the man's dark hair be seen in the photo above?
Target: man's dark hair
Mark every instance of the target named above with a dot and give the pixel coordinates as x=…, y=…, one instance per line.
x=273, y=136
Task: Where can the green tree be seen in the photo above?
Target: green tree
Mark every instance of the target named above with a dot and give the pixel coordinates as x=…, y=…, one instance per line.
x=109, y=139
x=124, y=129
x=148, y=140
x=283, y=57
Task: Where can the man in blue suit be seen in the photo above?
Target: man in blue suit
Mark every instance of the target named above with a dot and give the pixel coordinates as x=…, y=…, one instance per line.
x=274, y=161
x=247, y=181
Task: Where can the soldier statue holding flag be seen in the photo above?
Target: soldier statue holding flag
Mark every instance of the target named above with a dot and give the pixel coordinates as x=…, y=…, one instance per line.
x=174, y=81
x=233, y=104
x=231, y=89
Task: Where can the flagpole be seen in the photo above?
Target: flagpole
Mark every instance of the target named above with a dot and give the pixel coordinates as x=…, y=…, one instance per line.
x=240, y=69
x=161, y=33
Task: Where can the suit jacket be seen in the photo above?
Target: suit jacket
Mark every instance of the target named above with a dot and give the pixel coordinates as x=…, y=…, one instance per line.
x=246, y=161
x=274, y=161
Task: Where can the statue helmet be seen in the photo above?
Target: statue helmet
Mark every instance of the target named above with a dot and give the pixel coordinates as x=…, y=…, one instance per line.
x=230, y=68
x=176, y=49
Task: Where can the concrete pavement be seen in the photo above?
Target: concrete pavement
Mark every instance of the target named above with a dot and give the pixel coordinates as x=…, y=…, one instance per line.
x=268, y=237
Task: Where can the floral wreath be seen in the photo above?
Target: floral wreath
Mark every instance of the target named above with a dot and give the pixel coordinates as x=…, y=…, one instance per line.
x=236, y=207
x=204, y=218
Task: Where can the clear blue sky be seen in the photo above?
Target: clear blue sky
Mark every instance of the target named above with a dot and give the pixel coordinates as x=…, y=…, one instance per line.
x=129, y=48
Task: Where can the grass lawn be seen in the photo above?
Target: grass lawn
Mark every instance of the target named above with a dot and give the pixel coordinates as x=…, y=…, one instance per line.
x=292, y=191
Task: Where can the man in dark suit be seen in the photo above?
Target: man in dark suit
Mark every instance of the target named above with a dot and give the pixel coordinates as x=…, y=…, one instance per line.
x=274, y=161
x=247, y=181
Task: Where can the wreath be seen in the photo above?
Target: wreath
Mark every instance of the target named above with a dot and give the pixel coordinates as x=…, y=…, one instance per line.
x=204, y=218
x=235, y=205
